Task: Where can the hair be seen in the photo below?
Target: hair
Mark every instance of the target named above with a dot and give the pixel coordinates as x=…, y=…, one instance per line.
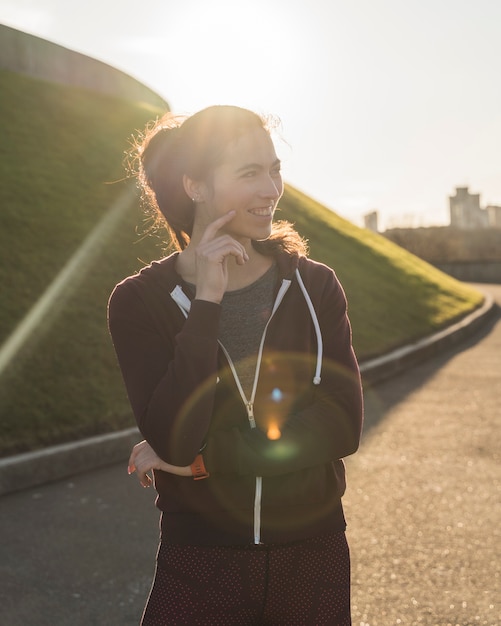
x=174, y=146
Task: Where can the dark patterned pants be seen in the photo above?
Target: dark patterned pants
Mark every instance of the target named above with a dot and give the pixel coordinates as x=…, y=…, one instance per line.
x=299, y=584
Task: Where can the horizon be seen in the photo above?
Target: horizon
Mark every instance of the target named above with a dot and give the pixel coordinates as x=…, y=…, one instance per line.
x=402, y=104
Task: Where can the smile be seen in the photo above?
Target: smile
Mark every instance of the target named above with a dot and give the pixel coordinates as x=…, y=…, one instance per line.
x=262, y=212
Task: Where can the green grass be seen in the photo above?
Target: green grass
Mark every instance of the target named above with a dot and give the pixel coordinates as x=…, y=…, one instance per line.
x=60, y=157
x=61, y=151
x=394, y=297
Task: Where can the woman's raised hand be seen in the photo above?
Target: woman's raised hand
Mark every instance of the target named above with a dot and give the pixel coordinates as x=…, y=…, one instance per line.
x=143, y=459
x=212, y=255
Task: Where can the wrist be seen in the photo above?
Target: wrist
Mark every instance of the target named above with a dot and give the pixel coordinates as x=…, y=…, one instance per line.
x=208, y=297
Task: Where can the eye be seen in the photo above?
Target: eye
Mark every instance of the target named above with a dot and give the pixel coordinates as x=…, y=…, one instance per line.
x=276, y=171
x=249, y=174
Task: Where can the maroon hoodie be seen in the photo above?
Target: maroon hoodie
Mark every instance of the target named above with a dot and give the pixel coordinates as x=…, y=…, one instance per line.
x=186, y=398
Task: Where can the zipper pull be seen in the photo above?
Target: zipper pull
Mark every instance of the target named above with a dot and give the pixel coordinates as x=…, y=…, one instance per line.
x=250, y=414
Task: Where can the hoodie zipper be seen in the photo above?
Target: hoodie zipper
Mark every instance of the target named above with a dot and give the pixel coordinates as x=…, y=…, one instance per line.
x=249, y=403
x=184, y=304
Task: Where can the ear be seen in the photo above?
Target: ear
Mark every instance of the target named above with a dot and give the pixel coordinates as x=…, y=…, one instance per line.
x=194, y=189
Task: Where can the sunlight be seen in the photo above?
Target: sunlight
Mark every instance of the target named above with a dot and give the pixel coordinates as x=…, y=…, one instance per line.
x=363, y=96
x=231, y=53
x=34, y=19
x=254, y=55
x=65, y=282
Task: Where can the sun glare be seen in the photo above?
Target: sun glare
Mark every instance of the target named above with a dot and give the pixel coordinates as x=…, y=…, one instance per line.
x=230, y=52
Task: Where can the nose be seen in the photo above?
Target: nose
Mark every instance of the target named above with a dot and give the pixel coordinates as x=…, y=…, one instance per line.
x=272, y=188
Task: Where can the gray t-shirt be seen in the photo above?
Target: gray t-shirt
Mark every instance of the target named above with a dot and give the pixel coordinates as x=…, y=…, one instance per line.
x=244, y=314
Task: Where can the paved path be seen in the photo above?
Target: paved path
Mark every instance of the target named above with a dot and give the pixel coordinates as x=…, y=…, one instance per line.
x=423, y=506
x=424, y=497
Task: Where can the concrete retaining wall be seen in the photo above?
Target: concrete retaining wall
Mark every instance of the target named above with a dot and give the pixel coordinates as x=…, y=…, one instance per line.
x=26, y=54
x=473, y=271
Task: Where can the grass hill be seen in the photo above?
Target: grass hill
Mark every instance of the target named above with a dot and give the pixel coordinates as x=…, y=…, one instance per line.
x=65, y=208
x=394, y=297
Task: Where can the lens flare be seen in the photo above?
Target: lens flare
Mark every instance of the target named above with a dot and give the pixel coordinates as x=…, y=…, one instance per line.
x=44, y=311
x=285, y=392
x=273, y=432
x=276, y=395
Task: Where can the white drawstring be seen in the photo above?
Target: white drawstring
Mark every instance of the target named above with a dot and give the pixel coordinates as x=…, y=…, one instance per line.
x=314, y=318
x=184, y=304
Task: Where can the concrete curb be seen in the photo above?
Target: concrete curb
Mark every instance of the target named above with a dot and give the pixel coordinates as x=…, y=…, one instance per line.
x=31, y=469
x=377, y=369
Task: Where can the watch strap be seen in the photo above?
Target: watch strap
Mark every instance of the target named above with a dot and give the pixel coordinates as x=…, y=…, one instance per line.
x=198, y=468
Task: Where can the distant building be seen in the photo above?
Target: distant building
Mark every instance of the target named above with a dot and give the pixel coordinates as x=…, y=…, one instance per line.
x=371, y=221
x=465, y=210
x=494, y=216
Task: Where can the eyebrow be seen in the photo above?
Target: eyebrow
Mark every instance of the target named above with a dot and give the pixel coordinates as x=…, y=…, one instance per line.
x=250, y=166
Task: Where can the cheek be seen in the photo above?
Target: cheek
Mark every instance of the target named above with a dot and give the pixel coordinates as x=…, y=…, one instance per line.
x=231, y=198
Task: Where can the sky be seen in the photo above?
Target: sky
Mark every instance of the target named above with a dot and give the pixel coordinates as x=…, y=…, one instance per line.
x=385, y=105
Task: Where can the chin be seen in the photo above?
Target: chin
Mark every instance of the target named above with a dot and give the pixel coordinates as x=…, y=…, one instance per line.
x=261, y=234
x=255, y=234
x=262, y=237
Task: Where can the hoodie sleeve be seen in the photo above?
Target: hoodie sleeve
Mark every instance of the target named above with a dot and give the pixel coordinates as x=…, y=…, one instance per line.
x=169, y=368
x=327, y=426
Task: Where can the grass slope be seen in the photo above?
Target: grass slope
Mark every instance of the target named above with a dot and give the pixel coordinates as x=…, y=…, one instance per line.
x=61, y=148
x=394, y=297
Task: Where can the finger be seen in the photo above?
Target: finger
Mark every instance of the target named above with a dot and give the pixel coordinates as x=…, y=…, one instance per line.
x=140, y=468
x=242, y=260
x=144, y=479
x=131, y=467
x=217, y=249
x=212, y=229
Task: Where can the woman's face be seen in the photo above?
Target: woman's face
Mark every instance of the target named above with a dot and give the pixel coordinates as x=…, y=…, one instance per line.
x=249, y=182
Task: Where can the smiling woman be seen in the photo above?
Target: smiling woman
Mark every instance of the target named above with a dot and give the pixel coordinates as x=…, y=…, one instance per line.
x=236, y=354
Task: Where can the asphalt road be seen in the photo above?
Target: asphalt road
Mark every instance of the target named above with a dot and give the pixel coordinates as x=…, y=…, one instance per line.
x=423, y=508
x=424, y=496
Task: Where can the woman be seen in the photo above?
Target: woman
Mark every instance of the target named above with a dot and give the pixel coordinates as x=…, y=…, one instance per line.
x=237, y=358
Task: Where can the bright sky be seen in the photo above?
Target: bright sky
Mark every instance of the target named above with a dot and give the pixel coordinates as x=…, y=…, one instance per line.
x=386, y=105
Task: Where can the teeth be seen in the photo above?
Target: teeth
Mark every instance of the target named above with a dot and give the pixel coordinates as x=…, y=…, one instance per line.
x=265, y=211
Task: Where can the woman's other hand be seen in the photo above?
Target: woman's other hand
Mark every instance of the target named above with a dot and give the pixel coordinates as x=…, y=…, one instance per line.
x=143, y=459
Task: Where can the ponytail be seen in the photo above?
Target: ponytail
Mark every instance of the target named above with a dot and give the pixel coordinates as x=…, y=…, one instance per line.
x=162, y=162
